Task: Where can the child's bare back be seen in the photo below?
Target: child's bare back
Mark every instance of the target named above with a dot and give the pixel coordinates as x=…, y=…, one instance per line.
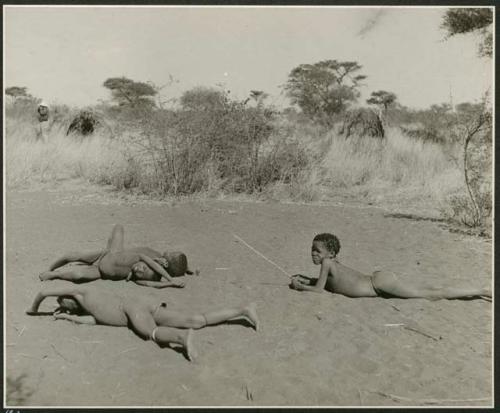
x=340, y=279
x=347, y=281
x=117, y=265
x=143, y=265
x=150, y=320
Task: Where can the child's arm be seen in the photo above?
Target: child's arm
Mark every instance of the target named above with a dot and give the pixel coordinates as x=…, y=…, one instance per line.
x=326, y=265
x=86, y=257
x=33, y=310
x=156, y=284
x=159, y=269
x=79, y=319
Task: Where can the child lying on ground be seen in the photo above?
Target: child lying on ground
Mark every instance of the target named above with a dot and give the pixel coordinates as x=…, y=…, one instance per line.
x=143, y=265
x=149, y=320
x=338, y=278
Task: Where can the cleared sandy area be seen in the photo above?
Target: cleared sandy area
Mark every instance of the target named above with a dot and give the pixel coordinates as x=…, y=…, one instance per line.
x=314, y=350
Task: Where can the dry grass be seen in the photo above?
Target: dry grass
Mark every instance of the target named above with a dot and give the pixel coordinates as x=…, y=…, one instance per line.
x=29, y=161
x=396, y=171
x=399, y=173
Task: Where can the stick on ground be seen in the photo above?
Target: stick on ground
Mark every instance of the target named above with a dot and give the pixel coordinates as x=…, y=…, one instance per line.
x=427, y=401
x=262, y=255
x=416, y=330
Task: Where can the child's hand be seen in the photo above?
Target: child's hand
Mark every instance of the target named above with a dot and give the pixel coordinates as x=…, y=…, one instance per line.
x=179, y=284
x=296, y=284
x=60, y=316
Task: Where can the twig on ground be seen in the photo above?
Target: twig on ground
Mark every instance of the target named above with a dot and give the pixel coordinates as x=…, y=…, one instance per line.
x=127, y=350
x=26, y=355
x=59, y=354
x=420, y=332
x=394, y=325
x=428, y=401
x=249, y=394
x=483, y=297
x=360, y=397
x=396, y=308
x=76, y=340
x=22, y=331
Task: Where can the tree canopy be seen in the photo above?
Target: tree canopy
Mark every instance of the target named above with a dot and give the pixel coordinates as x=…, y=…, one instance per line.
x=127, y=92
x=203, y=99
x=17, y=91
x=461, y=21
x=382, y=98
x=324, y=88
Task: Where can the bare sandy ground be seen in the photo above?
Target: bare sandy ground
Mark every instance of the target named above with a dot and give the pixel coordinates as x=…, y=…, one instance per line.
x=314, y=350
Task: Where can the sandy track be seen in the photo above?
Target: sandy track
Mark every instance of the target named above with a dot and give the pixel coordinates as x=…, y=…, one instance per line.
x=313, y=349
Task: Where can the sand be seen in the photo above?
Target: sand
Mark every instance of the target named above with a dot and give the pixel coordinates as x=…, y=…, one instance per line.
x=312, y=350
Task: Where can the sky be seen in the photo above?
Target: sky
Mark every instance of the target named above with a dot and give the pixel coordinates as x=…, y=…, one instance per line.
x=64, y=54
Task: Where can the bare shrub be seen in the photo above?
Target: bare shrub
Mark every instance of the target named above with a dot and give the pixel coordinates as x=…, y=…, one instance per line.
x=214, y=141
x=433, y=124
x=473, y=131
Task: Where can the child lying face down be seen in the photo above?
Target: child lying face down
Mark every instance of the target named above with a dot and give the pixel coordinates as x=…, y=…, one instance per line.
x=149, y=320
x=142, y=265
x=338, y=278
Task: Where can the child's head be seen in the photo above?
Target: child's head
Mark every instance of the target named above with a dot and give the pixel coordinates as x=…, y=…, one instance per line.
x=177, y=263
x=68, y=304
x=139, y=269
x=324, y=246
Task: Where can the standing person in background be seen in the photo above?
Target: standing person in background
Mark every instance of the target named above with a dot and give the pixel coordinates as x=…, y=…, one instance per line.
x=43, y=121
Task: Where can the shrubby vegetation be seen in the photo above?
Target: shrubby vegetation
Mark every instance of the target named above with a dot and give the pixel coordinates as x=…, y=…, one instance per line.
x=211, y=144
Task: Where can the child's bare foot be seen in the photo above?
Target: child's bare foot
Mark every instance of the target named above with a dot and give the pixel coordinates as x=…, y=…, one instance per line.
x=44, y=276
x=188, y=344
x=250, y=312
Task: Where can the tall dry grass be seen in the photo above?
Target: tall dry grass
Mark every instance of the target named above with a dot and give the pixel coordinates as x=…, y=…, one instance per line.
x=396, y=171
x=29, y=161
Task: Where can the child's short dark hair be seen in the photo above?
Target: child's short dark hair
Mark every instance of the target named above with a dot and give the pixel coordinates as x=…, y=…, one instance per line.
x=331, y=242
x=177, y=264
x=74, y=308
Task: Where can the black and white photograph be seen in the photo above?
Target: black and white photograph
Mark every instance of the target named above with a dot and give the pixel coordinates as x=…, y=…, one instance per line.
x=248, y=206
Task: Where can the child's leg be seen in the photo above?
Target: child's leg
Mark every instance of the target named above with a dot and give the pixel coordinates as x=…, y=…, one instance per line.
x=115, y=241
x=77, y=273
x=143, y=323
x=388, y=282
x=86, y=257
x=177, y=319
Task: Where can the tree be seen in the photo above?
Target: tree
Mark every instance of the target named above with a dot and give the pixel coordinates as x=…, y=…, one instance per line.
x=127, y=92
x=462, y=21
x=382, y=99
x=258, y=96
x=474, y=124
x=203, y=98
x=324, y=88
x=16, y=91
